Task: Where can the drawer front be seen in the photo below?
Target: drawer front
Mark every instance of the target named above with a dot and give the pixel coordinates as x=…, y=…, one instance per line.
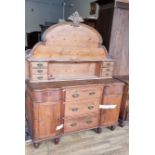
x=107, y=64
x=107, y=69
x=83, y=92
x=39, y=77
x=113, y=89
x=47, y=95
x=87, y=122
x=79, y=108
x=39, y=64
x=38, y=71
x=106, y=74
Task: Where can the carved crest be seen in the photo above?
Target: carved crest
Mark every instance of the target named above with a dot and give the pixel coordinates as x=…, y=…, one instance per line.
x=75, y=17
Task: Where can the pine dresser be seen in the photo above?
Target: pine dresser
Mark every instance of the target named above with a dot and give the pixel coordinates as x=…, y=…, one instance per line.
x=69, y=84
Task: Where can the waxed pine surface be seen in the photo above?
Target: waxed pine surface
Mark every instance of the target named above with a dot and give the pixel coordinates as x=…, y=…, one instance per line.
x=86, y=143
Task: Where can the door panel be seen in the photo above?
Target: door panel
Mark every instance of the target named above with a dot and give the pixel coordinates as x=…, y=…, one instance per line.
x=110, y=116
x=49, y=115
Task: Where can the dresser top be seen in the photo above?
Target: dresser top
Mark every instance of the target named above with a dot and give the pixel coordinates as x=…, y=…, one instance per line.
x=61, y=84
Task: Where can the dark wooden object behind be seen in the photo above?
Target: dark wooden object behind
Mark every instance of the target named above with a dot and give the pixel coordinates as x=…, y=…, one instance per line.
x=33, y=38
x=124, y=110
x=113, y=25
x=91, y=22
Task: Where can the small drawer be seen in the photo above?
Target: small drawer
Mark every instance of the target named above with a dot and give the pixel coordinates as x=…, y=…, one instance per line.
x=81, y=107
x=106, y=74
x=83, y=92
x=38, y=71
x=107, y=69
x=107, y=64
x=39, y=77
x=39, y=64
x=74, y=124
x=113, y=89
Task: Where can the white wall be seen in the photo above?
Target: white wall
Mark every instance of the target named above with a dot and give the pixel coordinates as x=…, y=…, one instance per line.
x=43, y=10
x=82, y=6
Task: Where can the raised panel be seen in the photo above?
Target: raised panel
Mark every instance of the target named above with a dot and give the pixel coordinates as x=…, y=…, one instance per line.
x=49, y=115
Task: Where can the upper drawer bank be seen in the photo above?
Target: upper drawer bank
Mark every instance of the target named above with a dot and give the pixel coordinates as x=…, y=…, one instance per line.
x=43, y=71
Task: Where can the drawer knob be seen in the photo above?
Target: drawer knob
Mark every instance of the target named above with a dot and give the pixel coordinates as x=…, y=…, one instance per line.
x=90, y=107
x=92, y=93
x=39, y=65
x=74, y=109
x=73, y=124
x=40, y=77
x=89, y=121
x=75, y=95
x=40, y=71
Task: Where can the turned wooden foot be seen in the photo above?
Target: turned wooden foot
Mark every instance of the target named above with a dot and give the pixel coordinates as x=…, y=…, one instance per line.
x=113, y=127
x=56, y=140
x=121, y=123
x=98, y=130
x=36, y=145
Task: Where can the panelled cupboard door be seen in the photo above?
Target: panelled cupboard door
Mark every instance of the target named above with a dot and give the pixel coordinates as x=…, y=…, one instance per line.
x=48, y=119
x=110, y=109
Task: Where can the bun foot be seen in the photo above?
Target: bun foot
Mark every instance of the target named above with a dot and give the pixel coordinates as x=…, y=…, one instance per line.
x=36, y=145
x=121, y=123
x=98, y=130
x=113, y=127
x=56, y=140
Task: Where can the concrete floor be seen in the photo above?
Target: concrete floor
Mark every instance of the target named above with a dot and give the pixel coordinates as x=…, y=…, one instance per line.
x=86, y=143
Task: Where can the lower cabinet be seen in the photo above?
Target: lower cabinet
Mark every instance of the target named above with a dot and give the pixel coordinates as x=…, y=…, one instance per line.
x=44, y=118
x=52, y=112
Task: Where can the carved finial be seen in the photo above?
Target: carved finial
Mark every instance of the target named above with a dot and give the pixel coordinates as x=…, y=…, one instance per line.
x=76, y=18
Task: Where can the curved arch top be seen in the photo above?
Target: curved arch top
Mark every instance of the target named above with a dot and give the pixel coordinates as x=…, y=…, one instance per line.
x=67, y=35
x=65, y=42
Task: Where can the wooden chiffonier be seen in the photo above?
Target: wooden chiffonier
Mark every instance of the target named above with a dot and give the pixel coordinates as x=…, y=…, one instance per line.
x=69, y=85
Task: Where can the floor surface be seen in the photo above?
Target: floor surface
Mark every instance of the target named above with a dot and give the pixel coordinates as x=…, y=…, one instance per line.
x=86, y=143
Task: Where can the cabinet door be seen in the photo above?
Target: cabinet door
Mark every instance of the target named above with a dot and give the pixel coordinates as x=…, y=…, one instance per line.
x=49, y=117
x=110, y=109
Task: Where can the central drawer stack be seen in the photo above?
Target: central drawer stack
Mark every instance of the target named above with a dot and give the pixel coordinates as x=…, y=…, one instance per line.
x=82, y=107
